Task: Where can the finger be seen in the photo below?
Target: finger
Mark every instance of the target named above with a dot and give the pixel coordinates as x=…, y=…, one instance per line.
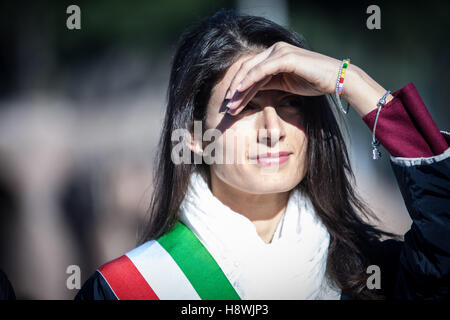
x=239, y=107
x=275, y=83
x=244, y=68
x=296, y=86
x=267, y=68
x=246, y=99
x=248, y=96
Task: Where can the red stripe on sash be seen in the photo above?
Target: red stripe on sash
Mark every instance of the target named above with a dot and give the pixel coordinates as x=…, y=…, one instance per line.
x=126, y=281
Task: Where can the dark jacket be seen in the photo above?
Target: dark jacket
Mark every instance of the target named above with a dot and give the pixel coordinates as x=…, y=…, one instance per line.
x=419, y=266
x=6, y=289
x=416, y=268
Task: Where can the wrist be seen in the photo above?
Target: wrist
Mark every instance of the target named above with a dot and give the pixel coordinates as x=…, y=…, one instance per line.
x=361, y=91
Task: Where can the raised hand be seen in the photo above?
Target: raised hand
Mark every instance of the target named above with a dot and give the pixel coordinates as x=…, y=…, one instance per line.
x=299, y=71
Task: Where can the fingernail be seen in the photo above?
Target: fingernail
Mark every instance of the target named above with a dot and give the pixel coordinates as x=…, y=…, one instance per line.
x=229, y=111
x=228, y=96
x=229, y=103
x=239, y=86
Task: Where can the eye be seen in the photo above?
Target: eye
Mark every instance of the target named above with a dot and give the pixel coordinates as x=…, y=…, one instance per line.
x=251, y=106
x=295, y=101
x=293, y=104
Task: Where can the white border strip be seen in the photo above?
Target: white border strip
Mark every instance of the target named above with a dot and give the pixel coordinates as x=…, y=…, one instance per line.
x=161, y=272
x=409, y=162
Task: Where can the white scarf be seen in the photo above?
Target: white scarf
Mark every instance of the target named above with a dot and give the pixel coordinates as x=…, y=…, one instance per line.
x=292, y=266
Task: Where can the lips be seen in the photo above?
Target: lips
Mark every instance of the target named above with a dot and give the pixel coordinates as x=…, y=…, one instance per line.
x=268, y=159
x=273, y=155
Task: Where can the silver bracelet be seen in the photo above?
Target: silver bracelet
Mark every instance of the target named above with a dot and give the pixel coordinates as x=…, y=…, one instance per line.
x=376, y=154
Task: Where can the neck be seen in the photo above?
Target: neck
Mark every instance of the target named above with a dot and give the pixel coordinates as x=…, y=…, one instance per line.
x=263, y=210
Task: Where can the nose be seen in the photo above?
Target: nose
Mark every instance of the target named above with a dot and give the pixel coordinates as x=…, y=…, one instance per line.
x=271, y=129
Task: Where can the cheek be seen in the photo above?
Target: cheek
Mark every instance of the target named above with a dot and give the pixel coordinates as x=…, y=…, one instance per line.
x=294, y=119
x=247, y=177
x=302, y=155
x=235, y=143
x=301, y=142
x=212, y=119
x=297, y=142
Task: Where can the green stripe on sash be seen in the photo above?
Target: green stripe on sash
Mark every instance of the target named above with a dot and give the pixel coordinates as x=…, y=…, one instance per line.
x=197, y=264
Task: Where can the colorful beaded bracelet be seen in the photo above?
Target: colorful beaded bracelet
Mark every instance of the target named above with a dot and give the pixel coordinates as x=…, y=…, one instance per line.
x=340, y=83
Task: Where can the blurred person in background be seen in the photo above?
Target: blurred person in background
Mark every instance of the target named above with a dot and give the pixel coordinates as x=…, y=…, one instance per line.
x=225, y=231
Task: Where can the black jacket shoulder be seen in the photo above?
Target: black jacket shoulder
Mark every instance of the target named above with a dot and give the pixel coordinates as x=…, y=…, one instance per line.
x=96, y=288
x=423, y=270
x=6, y=289
x=418, y=268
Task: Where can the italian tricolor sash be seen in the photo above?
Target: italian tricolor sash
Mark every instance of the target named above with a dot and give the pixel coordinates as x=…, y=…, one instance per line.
x=174, y=267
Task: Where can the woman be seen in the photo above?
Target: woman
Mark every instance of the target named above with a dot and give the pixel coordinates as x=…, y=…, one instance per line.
x=270, y=212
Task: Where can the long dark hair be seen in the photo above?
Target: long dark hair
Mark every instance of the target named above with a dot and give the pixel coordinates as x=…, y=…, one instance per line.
x=204, y=53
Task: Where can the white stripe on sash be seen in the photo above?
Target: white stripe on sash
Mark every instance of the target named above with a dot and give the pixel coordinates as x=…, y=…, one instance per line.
x=161, y=272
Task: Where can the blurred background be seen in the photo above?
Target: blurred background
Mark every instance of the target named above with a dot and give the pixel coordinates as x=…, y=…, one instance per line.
x=81, y=110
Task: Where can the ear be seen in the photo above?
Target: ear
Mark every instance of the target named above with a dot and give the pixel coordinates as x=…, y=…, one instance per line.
x=195, y=145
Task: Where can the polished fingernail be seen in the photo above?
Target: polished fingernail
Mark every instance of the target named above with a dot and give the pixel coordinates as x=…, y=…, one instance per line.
x=235, y=96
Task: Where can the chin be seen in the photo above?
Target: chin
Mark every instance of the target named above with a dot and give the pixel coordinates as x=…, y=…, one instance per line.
x=266, y=184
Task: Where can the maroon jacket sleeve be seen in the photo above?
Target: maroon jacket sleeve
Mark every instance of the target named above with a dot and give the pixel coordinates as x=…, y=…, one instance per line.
x=405, y=127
